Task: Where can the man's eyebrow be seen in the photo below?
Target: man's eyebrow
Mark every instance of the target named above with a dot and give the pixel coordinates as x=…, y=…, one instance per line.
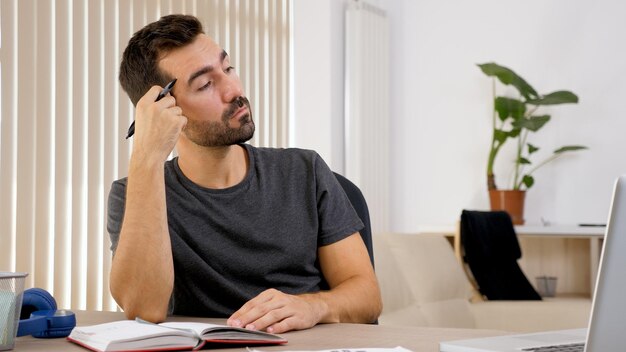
x=205, y=69
x=199, y=73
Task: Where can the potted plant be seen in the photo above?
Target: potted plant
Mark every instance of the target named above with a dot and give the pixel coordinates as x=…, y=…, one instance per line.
x=514, y=119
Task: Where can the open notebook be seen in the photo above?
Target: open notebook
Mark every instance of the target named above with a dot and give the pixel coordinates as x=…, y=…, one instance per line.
x=607, y=326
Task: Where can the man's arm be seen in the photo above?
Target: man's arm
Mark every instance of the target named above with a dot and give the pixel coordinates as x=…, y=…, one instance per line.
x=142, y=271
x=354, y=295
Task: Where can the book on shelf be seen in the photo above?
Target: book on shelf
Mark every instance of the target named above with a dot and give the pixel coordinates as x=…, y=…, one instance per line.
x=139, y=335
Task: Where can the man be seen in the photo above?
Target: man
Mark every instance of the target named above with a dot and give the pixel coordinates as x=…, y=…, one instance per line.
x=265, y=237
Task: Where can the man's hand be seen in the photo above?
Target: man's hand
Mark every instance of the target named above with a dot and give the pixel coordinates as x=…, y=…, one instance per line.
x=158, y=125
x=278, y=312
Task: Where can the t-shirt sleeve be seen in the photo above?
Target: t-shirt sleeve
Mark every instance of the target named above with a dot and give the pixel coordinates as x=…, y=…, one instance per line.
x=115, y=211
x=337, y=218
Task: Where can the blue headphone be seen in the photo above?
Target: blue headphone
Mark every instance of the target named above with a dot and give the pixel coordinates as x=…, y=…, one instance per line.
x=40, y=317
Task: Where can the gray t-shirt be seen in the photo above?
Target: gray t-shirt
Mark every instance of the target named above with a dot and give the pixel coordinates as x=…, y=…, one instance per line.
x=231, y=244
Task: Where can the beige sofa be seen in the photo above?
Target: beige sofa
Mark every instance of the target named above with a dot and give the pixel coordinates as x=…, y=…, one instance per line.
x=423, y=284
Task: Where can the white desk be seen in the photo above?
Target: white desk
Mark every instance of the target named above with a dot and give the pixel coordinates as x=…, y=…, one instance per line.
x=540, y=243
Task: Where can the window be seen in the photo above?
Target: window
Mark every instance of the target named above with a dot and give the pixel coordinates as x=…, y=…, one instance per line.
x=64, y=119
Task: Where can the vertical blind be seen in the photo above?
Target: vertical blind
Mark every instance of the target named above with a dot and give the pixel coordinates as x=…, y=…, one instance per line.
x=64, y=118
x=367, y=107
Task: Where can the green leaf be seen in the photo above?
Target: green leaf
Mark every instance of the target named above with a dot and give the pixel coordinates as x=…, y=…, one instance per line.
x=500, y=136
x=533, y=123
x=514, y=132
x=508, y=77
x=554, y=98
x=531, y=148
x=524, y=161
x=509, y=107
x=528, y=180
x=569, y=148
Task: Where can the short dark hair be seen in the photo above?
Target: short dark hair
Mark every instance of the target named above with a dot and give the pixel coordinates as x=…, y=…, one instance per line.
x=139, y=68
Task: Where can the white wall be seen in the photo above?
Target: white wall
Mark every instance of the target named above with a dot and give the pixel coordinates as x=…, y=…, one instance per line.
x=318, y=77
x=441, y=102
x=317, y=121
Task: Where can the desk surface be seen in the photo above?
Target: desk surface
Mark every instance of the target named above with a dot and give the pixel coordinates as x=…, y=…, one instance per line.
x=571, y=231
x=321, y=337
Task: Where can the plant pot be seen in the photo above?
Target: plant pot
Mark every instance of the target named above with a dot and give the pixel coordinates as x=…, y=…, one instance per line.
x=511, y=201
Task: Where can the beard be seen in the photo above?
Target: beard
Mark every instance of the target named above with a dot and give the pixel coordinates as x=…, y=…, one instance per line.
x=219, y=133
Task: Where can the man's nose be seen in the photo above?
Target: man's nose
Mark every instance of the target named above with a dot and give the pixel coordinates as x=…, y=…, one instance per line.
x=232, y=89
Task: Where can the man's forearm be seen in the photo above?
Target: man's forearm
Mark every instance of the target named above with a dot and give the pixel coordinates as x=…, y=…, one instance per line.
x=142, y=273
x=354, y=296
x=356, y=300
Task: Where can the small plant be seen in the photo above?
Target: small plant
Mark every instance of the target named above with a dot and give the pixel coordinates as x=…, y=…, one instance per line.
x=515, y=118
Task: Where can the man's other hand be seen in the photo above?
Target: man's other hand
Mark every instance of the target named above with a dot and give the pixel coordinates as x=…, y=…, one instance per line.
x=277, y=312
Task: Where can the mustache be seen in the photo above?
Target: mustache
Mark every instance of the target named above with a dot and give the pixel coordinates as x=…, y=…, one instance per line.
x=235, y=105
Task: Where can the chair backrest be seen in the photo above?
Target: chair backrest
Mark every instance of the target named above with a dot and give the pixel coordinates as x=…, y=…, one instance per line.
x=491, y=250
x=360, y=205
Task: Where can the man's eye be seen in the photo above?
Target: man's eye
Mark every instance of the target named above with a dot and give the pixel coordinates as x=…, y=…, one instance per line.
x=229, y=69
x=207, y=85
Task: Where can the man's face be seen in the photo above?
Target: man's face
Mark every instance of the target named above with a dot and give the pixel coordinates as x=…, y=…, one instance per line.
x=209, y=92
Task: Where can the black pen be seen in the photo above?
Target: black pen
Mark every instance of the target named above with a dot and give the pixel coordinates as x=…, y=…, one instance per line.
x=167, y=89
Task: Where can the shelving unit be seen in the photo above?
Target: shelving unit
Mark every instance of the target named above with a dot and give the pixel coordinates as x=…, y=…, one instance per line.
x=569, y=252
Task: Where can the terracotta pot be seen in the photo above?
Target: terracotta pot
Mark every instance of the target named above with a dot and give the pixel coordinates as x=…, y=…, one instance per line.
x=511, y=201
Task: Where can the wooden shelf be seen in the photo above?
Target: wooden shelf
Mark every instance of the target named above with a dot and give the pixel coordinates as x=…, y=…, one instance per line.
x=569, y=252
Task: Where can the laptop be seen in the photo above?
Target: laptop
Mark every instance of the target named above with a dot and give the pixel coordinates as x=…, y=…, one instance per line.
x=607, y=325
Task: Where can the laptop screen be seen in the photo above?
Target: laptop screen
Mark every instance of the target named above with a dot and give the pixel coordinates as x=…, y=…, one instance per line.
x=607, y=325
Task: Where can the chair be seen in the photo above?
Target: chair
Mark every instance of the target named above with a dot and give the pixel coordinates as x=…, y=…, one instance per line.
x=360, y=205
x=491, y=251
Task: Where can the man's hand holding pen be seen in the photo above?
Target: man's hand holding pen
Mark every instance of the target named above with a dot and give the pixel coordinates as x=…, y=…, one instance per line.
x=159, y=123
x=165, y=91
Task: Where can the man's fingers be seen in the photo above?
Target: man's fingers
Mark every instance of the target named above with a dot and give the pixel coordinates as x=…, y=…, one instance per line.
x=167, y=101
x=247, y=313
x=288, y=324
x=150, y=96
x=275, y=311
x=268, y=313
